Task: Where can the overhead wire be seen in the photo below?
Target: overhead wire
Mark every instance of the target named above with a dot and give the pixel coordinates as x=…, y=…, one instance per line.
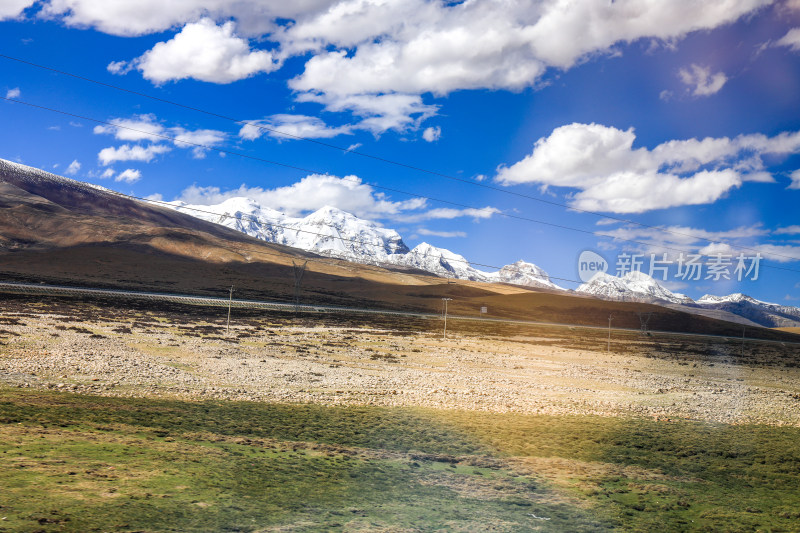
x=262, y=127
x=256, y=158
x=248, y=156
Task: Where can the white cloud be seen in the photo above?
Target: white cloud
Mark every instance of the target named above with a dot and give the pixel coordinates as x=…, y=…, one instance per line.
x=13, y=93
x=355, y=146
x=10, y=9
x=107, y=173
x=293, y=126
x=73, y=168
x=129, y=176
x=701, y=80
x=312, y=192
x=140, y=17
x=791, y=40
x=610, y=175
x=795, y=176
x=349, y=194
x=672, y=239
x=788, y=230
x=203, y=51
x=147, y=127
x=128, y=152
x=378, y=113
x=198, y=140
x=449, y=213
x=445, y=234
x=416, y=46
x=119, y=67
x=137, y=128
x=432, y=134
x=363, y=50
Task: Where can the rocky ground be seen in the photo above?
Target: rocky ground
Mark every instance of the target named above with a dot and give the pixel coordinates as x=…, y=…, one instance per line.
x=310, y=360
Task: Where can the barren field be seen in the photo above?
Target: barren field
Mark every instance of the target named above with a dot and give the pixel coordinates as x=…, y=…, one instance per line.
x=331, y=360
x=126, y=418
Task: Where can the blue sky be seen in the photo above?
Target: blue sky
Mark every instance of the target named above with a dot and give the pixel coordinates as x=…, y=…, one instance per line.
x=675, y=114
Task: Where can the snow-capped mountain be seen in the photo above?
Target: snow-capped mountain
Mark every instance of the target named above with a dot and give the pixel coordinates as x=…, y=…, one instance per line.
x=327, y=231
x=763, y=313
x=441, y=262
x=632, y=287
x=523, y=273
x=335, y=233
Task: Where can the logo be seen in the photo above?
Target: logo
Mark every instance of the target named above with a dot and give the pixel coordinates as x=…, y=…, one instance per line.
x=589, y=264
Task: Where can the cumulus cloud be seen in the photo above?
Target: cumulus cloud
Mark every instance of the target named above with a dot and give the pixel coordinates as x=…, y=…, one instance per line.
x=747, y=240
x=140, y=17
x=13, y=93
x=287, y=127
x=107, y=173
x=360, y=51
x=448, y=213
x=203, y=51
x=790, y=40
x=378, y=113
x=137, y=128
x=128, y=152
x=701, y=81
x=788, y=230
x=432, y=134
x=129, y=176
x=610, y=175
x=148, y=128
x=795, y=176
x=444, y=234
x=198, y=140
x=73, y=168
x=10, y=9
x=312, y=192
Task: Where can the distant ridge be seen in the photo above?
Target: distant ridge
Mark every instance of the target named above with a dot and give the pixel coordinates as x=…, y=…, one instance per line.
x=335, y=233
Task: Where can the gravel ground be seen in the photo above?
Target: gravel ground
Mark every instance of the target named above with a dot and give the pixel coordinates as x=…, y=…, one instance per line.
x=367, y=366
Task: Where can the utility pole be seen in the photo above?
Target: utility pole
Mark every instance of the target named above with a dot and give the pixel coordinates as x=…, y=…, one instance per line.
x=298, y=277
x=644, y=318
x=444, y=333
x=608, y=345
x=742, y=350
x=230, y=301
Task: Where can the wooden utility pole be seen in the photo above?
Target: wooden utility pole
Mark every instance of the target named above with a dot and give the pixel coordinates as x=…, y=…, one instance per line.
x=742, y=349
x=230, y=300
x=444, y=333
x=299, y=270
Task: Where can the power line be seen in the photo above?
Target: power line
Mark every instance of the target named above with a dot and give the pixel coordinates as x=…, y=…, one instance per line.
x=251, y=218
x=378, y=158
x=261, y=222
x=239, y=154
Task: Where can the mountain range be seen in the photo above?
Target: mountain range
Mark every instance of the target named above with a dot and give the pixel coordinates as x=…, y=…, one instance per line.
x=335, y=233
x=59, y=230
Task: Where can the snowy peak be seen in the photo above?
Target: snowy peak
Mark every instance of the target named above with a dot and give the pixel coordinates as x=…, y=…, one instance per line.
x=634, y=286
x=524, y=273
x=709, y=299
x=763, y=313
x=335, y=233
x=326, y=231
x=442, y=262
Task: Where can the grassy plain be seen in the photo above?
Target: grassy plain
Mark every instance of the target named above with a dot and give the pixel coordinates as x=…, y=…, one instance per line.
x=93, y=461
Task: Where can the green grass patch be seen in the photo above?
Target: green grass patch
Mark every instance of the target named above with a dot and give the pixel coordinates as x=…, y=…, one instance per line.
x=648, y=475
x=85, y=463
x=81, y=463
